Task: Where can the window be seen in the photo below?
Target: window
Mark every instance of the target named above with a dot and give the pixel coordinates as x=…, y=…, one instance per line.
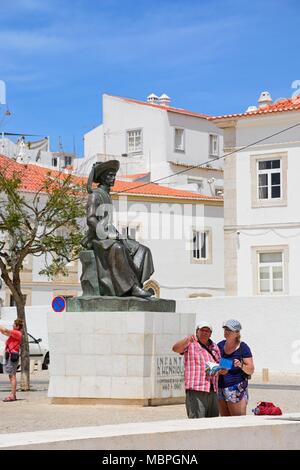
x=219, y=192
x=134, y=141
x=131, y=231
x=179, y=140
x=213, y=145
x=200, y=245
x=270, y=272
x=54, y=161
x=68, y=161
x=269, y=179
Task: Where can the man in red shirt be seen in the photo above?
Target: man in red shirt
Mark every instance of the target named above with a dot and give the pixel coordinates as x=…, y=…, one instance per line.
x=12, y=348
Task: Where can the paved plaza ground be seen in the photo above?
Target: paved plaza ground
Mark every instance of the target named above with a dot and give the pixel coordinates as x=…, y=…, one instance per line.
x=33, y=410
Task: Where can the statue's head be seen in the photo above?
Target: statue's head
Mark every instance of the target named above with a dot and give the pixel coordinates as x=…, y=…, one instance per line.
x=108, y=177
x=103, y=173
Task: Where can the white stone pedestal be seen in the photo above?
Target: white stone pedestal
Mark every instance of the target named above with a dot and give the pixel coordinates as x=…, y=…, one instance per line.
x=117, y=357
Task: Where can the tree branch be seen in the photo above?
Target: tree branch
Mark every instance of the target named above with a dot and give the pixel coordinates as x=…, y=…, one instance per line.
x=8, y=281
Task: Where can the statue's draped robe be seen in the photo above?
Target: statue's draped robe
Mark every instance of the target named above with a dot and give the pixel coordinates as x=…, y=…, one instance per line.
x=121, y=263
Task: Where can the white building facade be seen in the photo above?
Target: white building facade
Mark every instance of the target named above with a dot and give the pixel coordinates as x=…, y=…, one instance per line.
x=156, y=138
x=39, y=289
x=261, y=208
x=184, y=231
x=36, y=152
x=185, y=236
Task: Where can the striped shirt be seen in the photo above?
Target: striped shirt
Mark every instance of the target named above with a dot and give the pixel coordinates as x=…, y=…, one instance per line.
x=195, y=358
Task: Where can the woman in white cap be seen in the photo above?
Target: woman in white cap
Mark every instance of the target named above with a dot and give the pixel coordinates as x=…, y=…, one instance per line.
x=233, y=386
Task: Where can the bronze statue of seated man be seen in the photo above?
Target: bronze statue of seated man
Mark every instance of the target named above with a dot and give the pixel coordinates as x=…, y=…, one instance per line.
x=123, y=264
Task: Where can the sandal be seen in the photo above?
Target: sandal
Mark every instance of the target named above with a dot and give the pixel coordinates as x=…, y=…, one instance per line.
x=10, y=398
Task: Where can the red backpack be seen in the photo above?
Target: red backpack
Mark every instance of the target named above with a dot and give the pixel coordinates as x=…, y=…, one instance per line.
x=266, y=408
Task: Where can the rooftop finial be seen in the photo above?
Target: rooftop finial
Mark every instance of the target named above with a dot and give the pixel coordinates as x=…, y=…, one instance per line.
x=152, y=98
x=264, y=99
x=164, y=100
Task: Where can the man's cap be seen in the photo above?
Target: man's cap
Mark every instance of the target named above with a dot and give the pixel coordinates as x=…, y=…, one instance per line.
x=233, y=325
x=204, y=324
x=101, y=167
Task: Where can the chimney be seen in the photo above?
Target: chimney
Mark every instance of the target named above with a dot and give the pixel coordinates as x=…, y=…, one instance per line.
x=152, y=98
x=264, y=99
x=164, y=100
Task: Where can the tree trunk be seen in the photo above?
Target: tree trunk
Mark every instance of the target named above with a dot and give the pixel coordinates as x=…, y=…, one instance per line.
x=25, y=369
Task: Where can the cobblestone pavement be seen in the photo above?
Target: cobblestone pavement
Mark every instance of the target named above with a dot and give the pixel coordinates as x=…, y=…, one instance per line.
x=33, y=410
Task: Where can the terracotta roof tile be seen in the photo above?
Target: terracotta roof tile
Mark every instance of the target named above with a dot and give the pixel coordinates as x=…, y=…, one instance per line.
x=33, y=177
x=165, y=108
x=282, y=105
x=152, y=189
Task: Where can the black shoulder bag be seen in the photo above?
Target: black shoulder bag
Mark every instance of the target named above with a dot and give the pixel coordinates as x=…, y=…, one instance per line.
x=14, y=356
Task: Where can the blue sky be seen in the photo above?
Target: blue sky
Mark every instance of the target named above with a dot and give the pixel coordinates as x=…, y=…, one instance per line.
x=58, y=57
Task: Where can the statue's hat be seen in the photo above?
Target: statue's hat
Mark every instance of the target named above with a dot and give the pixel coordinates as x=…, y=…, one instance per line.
x=100, y=167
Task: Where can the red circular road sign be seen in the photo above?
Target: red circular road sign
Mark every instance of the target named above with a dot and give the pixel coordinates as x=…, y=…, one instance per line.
x=58, y=304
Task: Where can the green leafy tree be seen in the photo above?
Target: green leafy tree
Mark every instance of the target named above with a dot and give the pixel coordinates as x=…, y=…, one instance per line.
x=41, y=223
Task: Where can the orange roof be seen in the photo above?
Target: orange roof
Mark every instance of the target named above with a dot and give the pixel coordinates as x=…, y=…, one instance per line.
x=152, y=189
x=33, y=177
x=165, y=108
x=282, y=105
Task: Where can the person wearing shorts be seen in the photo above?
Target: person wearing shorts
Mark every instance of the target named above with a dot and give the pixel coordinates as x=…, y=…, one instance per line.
x=233, y=386
x=12, y=348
